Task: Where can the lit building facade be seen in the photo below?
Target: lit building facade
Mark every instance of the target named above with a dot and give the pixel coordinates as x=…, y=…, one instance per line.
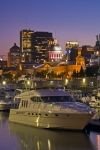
x=41, y=44
x=14, y=56
x=35, y=45
x=93, y=52
x=80, y=60
x=3, y=63
x=26, y=45
x=87, y=51
x=55, y=52
x=71, y=51
x=72, y=44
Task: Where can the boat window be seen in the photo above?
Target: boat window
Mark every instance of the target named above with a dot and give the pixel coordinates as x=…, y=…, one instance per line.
x=58, y=99
x=17, y=99
x=22, y=103
x=98, y=98
x=52, y=99
x=36, y=99
x=26, y=103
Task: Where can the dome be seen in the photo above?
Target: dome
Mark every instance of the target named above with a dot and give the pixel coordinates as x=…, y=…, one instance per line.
x=55, y=48
x=15, y=48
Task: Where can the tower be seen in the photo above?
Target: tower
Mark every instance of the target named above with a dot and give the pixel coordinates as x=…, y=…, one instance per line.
x=26, y=45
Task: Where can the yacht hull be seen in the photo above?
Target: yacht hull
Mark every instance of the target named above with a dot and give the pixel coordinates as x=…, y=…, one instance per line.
x=72, y=121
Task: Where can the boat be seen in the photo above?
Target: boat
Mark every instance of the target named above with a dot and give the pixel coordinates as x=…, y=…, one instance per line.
x=4, y=106
x=95, y=100
x=6, y=99
x=50, y=108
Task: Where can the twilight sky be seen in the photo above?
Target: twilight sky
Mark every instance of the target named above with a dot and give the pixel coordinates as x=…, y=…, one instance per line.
x=77, y=20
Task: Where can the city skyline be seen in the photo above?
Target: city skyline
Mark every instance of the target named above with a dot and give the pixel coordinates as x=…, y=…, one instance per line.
x=67, y=20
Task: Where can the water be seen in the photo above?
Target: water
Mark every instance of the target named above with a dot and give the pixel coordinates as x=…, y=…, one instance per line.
x=20, y=137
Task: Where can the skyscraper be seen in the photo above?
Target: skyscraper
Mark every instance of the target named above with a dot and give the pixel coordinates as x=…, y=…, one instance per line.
x=26, y=45
x=41, y=42
x=72, y=51
x=35, y=46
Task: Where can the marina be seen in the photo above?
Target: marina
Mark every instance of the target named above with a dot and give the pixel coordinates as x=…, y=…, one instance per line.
x=49, y=119
x=50, y=75
x=20, y=137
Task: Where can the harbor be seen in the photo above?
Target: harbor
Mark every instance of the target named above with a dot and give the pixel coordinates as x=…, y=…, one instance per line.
x=20, y=137
x=50, y=75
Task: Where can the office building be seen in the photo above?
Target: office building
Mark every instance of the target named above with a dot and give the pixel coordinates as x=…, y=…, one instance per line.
x=34, y=46
x=26, y=45
x=71, y=51
x=41, y=41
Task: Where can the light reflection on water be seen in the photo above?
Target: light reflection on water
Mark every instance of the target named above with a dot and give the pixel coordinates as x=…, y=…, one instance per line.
x=20, y=137
x=95, y=139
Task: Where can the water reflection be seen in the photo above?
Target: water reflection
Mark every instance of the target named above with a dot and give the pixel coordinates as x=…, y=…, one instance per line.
x=41, y=139
x=20, y=137
x=95, y=138
x=3, y=117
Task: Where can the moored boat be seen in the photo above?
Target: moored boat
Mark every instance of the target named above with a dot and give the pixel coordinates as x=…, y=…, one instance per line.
x=4, y=106
x=50, y=108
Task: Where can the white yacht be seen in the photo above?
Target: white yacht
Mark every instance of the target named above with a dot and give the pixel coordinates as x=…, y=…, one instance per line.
x=50, y=108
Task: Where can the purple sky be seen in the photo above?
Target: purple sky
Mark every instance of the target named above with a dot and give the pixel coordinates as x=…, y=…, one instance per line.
x=77, y=20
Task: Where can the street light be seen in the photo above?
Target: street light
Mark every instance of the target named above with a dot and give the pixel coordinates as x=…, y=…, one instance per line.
x=66, y=81
x=4, y=82
x=27, y=84
x=84, y=81
x=84, y=85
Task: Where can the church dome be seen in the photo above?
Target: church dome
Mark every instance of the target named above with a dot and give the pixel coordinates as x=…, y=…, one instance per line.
x=55, y=48
x=14, y=48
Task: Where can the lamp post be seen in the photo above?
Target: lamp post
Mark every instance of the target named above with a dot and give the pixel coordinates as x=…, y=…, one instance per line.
x=4, y=82
x=84, y=81
x=66, y=83
x=84, y=85
x=27, y=84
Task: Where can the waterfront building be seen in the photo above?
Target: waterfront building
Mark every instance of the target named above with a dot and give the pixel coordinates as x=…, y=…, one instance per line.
x=26, y=45
x=3, y=63
x=42, y=42
x=55, y=52
x=87, y=52
x=71, y=51
x=58, y=69
x=35, y=45
x=80, y=60
x=95, y=57
x=14, y=56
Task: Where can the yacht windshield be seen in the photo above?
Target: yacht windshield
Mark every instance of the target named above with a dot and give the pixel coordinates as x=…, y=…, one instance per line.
x=48, y=99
